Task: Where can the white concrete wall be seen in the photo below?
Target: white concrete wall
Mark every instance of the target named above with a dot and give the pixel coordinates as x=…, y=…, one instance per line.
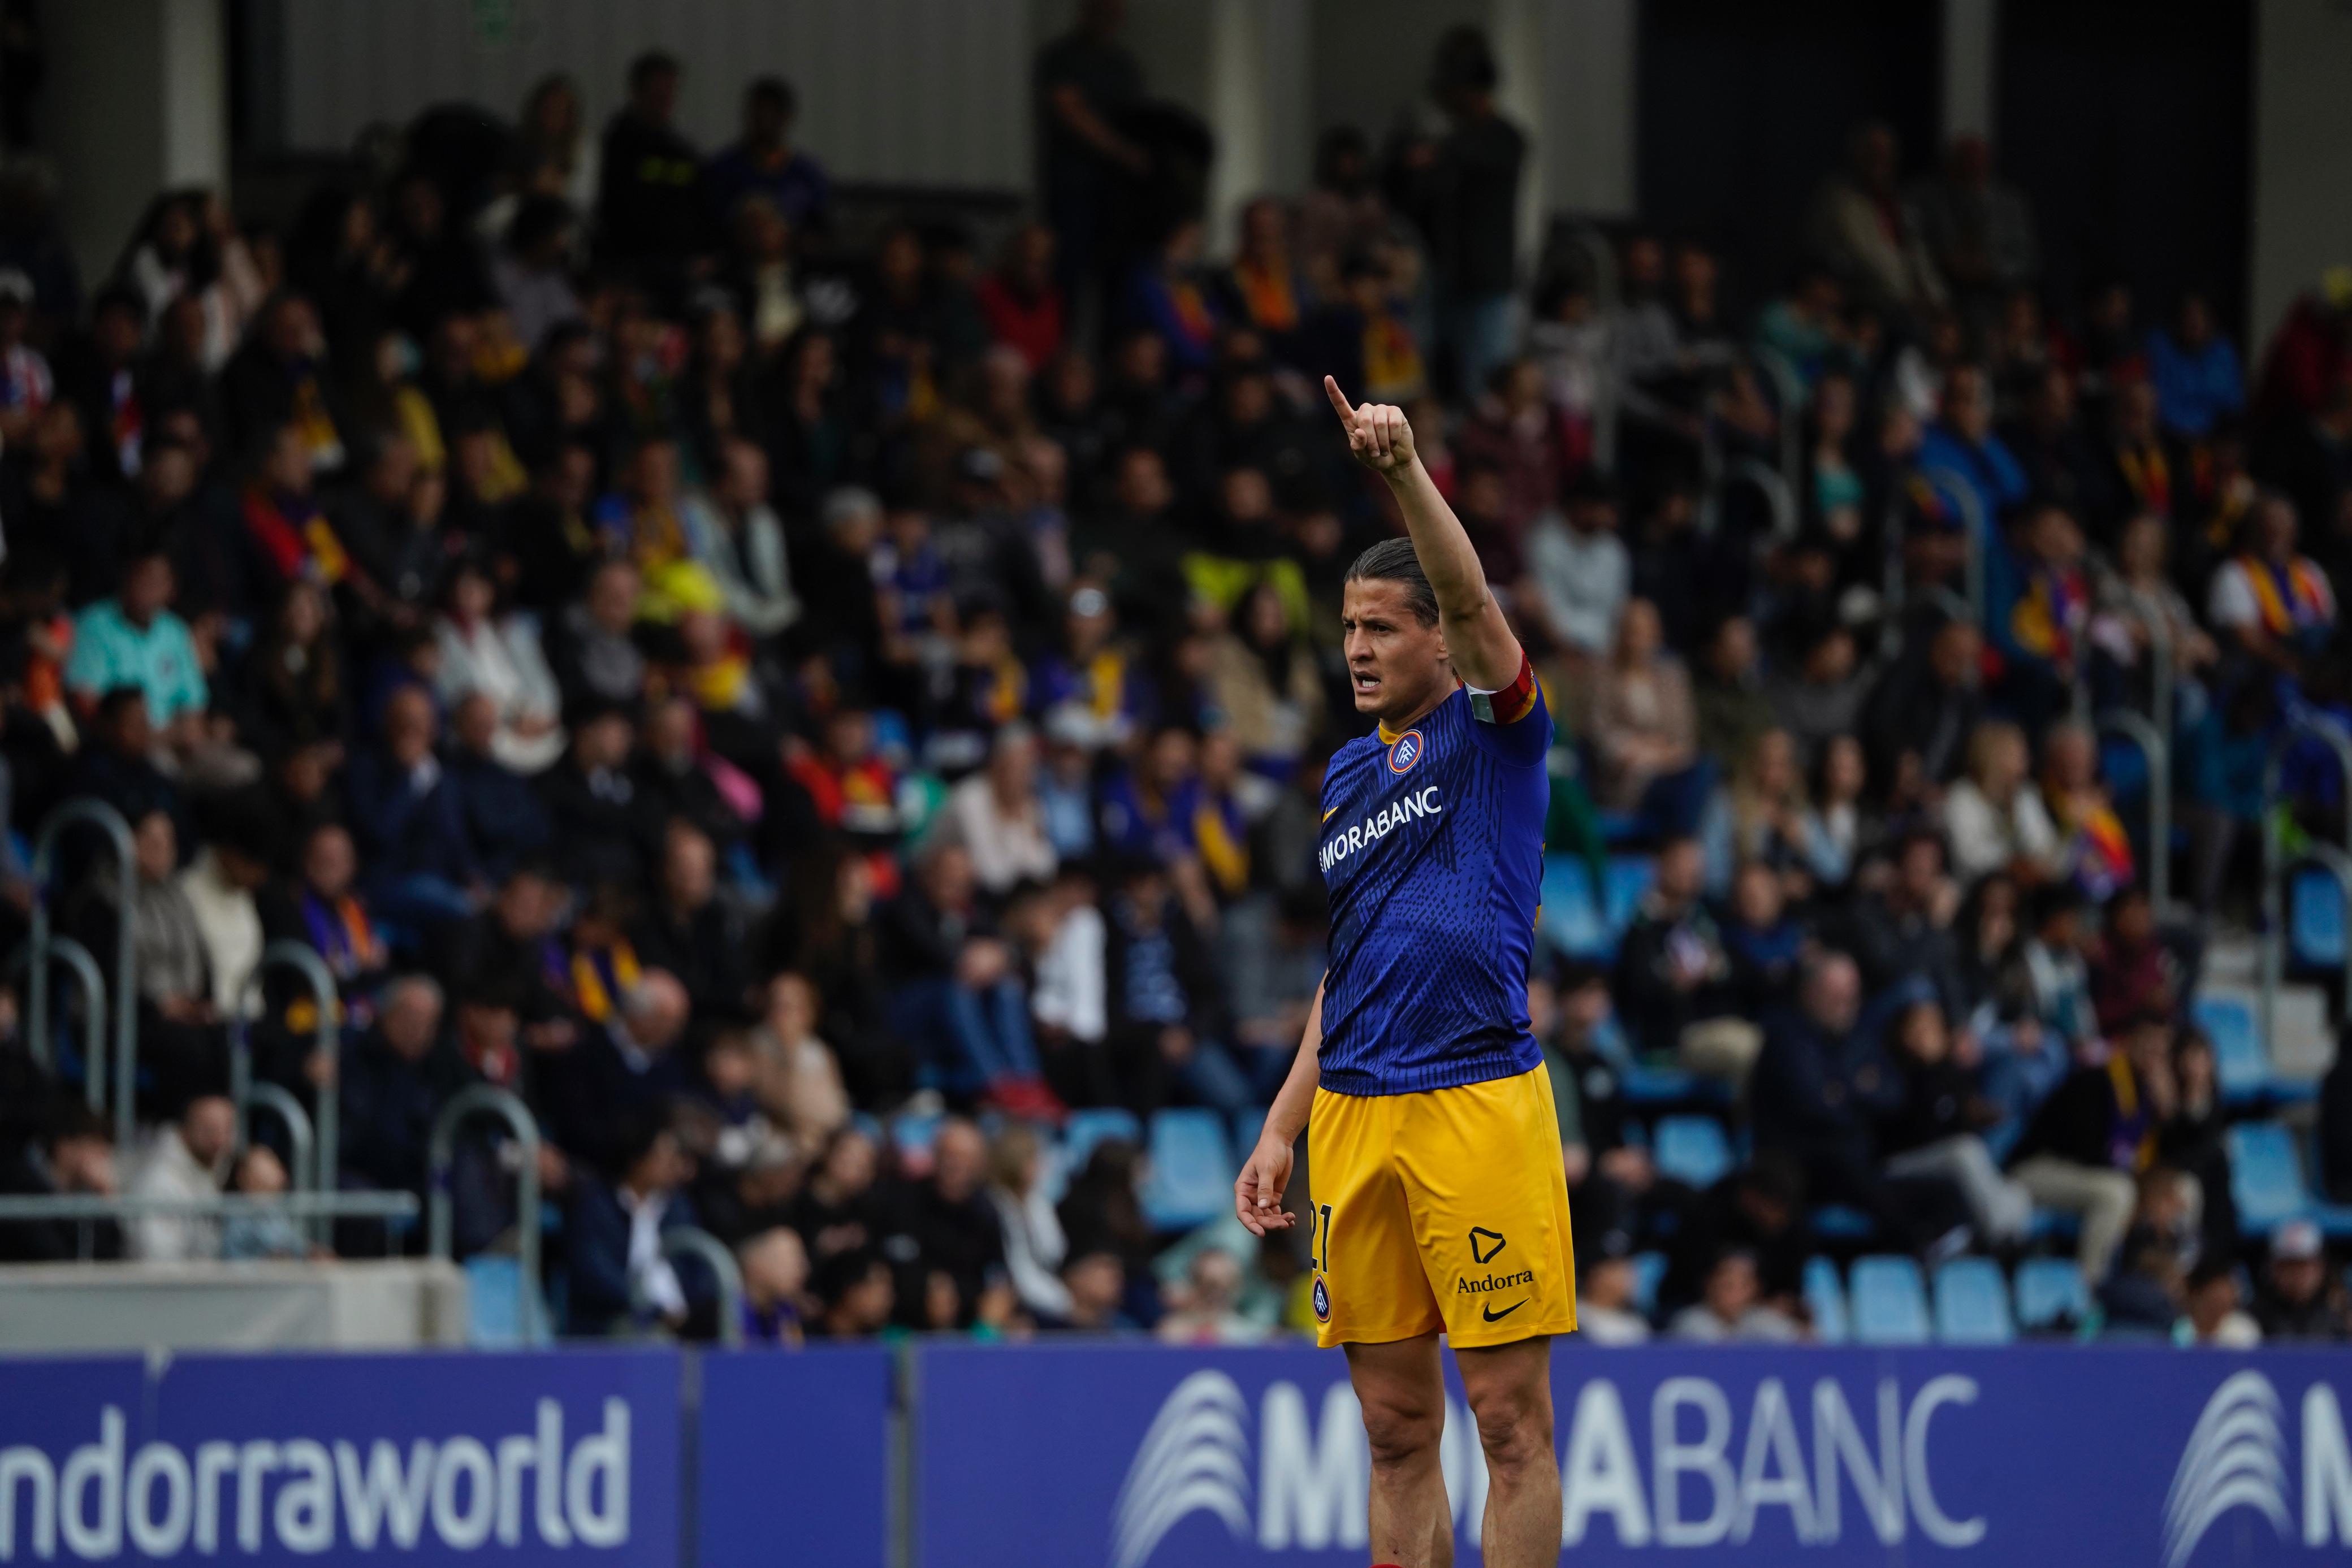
x=2302, y=205
x=919, y=91
x=137, y=100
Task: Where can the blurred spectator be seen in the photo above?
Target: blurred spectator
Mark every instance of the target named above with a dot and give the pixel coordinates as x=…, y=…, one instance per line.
x=2197, y=379
x=188, y=1160
x=1462, y=189
x=618, y=1271
x=1605, y=1312
x=1731, y=1309
x=1644, y=730
x=957, y=997
x=269, y=1232
x=649, y=202
x=1977, y=227
x=1864, y=227
x=764, y=164
x=591, y=1091
x=1994, y=815
x=393, y=1082
x=775, y=1285
x=1672, y=979
x=2096, y=1130
x=1201, y=1311
x=1934, y=1130
x=1033, y=1244
x=405, y=817
x=1086, y=84
x=70, y=1154
x=2214, y=1316
x=2297, y=1301
x=800, y=1080
x=1581, y=571
x=2270, y=605
x=948, y=1225
x=997, y=817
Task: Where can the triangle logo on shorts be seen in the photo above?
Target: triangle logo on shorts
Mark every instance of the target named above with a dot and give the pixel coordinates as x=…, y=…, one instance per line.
x=1485, y=1244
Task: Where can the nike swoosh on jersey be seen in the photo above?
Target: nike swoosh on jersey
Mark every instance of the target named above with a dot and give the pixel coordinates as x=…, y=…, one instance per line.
x=1492, y=1316
x=1331, y=813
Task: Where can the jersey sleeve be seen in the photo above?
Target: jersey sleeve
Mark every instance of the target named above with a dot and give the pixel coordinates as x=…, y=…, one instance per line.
x=1513, y=725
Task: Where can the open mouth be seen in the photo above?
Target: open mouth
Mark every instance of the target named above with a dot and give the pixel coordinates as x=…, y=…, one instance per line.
x=1366, y=682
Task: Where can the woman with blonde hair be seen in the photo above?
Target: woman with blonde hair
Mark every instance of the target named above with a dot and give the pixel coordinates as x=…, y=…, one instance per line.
x=1033, y=1242
x=1763, y=814
x=1993, y=815
x=1643, y=728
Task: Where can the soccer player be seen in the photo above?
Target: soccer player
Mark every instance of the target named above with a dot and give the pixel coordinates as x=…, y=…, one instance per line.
x=1439, y=1203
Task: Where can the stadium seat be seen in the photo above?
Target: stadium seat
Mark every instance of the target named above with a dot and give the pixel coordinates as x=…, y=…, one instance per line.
x=913, y=1132
x=1080, y=1134
x=1972, y=1303
x=1191, y=1178
x=1692, y=1150
x=2239, y=1063
x=1628, y=881
x=2316, y=920
x=2267, y=1182
x=494, y=1302
x=1649, y=1273
x=1248, y=1123
x=1836, y=1222
x=1658, y=1086
x=2050, y=1292
x=1890, y=1304
x=1825, y=1294
x=1573, y=917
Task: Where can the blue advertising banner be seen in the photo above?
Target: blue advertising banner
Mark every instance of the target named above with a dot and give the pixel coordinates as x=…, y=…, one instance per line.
x=1151, y=1458
x=792, y=1459
x=561, y=1456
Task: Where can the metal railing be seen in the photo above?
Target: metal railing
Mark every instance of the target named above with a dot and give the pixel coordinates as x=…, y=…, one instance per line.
x=686, y=1241
x=482, y=1100
x=1779, y=497
x=2158, y=755
x=76, y=958
x=224, y=1205
x=2274, y=858
x=327, y=1037
x=301, y=1142
x=96, y=813
x=1790, y=393
x=1956, y=488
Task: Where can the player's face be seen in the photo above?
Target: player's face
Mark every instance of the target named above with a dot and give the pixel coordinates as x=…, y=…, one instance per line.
x=1396, y=666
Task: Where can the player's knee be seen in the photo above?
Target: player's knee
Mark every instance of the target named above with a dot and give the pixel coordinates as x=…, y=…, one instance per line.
x=1401, y=1431
x=1514, y=1426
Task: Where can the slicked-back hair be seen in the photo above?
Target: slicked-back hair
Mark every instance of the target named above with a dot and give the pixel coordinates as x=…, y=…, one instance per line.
x=1393, y=561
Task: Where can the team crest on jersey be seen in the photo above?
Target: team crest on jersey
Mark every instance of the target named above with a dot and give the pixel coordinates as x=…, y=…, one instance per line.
x=1405, y=751
x=1322, y=1303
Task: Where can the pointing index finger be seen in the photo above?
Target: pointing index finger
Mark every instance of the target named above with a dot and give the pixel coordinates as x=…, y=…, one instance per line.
x=1340, y=403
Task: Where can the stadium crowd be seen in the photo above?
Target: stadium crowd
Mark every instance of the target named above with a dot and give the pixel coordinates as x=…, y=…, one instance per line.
x=749, y=688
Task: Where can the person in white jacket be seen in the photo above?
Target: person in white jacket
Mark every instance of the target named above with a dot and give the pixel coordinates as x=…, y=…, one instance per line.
x=734, y=533
x=499, y=657
x=188, y=1159
x=1033, y=1243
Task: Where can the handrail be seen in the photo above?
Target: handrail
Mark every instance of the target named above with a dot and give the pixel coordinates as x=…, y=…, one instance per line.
x=74, y=957
x=1779, y=496
x=1790, y=392
x=2274, y=914
x=301, y=1141
x=687, y=1241
x=2160, y=656
x=1974, y=525
x=98, y=814
x=2158, y=754
x=225, y=1205
x=304, y=960
x=484, y=1100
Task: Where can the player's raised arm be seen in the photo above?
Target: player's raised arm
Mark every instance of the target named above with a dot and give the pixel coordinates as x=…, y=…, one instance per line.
x=1477, y=639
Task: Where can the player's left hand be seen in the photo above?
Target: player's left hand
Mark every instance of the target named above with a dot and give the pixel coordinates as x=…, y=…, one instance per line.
x=1257, y=1191
x=1378, y=436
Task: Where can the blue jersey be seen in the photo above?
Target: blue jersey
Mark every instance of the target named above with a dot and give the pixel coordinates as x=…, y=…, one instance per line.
x=1433, y=851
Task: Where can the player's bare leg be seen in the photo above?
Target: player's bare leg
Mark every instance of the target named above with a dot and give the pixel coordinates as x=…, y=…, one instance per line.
x=1401, y=1387
x=1509, y=1387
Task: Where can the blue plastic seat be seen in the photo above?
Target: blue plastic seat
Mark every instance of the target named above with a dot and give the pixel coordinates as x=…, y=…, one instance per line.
x=1248, y=1123
x=1692, y=1150
x=912, y=1133
x=1628, y=882
x=1649, y=1273
x=2239, y=1063
x=1825, y=1294
x=494, y=1302
x=1573, y=917
x=2265, y=1177
x=2316, y=933
x=2049, y=1291
x=1836, y=1222
x=1192, y=1179
x=1099, y=1124
x=1972, y=1303
x=1890, y=1303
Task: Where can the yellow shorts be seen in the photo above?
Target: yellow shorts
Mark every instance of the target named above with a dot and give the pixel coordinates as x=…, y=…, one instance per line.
x=1445, y=1209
